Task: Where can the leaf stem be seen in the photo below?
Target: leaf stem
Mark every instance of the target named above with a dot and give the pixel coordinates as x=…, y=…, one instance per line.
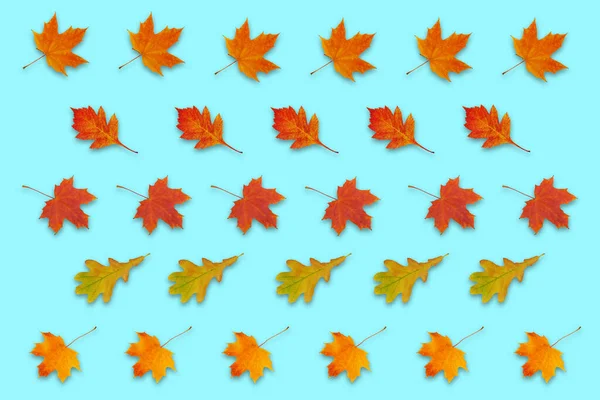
x=320, y=68
x=34, y=61
x=329, y=148
x=522, y=148
x=35, y=190
x=518, y=191
x=277, y=334
x=566, y=336
x=416, y=68
x=80, y=336
x=424, y=148
x=131, y=150
x=318, y=191
x=226, y=191
x=130, y=61
x=234, y=149
x=468, y=336
x=369, y=337
x=227, y=66
x=421, y=190
x=511, y=68
x=123, y=187
x=176, y=336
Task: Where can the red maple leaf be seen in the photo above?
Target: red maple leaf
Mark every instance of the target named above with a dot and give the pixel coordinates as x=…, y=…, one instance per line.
x=487, y=125
x=93, y=126
x=198, y=126
x=388, y=126
x=294, y=126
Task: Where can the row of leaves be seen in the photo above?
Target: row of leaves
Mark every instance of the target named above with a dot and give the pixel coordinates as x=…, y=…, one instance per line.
x=255, y=202
x=251, y=357
x=344, y=53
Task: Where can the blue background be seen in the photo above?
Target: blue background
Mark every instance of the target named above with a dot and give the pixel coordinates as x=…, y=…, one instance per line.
x=556, y=120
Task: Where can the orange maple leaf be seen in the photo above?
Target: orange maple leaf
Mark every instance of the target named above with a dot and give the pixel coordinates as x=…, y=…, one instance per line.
x=198, y=126
x=487, y=125
x=444, y=356
x=546, y=205
x=160, y=204
x=536, y=53
x=295, y=126
x=541, y=355
x=441, y=53
x=57, y=356
x=345, y=53
x=57, y=47
x=452, y=204
x=92, y=126
x=349, y=206
x=254, y=205
x=152, y=356
x=250, y=356
x=153, y=47
x=346, y=355
x=249, y=53
x=388, y=126
x=66, y=204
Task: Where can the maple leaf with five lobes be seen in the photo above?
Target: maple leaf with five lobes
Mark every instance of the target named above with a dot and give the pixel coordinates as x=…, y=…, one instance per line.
x=345, y=53
x=537, y=53
x=93, y=126
x=294, y=126
x=400, y=279
x=303, y=279
x=496, y=279
x=388, y=126
x=487, y=125
x=194, y=279
x=57, y=48
x=198, y=126
x=154, y=47
x=66, y=204
x=101, y=280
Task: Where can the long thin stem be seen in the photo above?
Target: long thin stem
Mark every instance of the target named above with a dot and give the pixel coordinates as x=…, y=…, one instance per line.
x=522, y=148
x=424, y=148
x=234, y=149
x=132, y=191
x=320, y=68
x=130, y=61
x=468, y=336
x=421, y=190
x=277, y=334
x=227, y=66
x=369, y=337
x=329, y=148
x=318, y=191
x=518, y=191
x=176, y=336
x=131, y=150
x=416, y=68
x=226, y=191
x=566, y=336
x=80, y=336
x=510, y=69
x=34, y=61
x=35, y=190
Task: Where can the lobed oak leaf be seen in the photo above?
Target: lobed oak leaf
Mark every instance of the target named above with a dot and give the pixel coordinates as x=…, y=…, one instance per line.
x=93, y=126
x=496, y=279
x=487, y=125
x=294, y=126
x=388, y=126
x=400, y=279
x=101, y=280
x=194, y=279
x=303, y=279
x=198, y=126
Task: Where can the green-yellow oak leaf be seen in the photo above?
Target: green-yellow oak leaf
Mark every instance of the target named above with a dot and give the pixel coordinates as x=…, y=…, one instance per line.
x=401, y=279
x=101, y=280
x=302, y=279
x=495, y=279
x=194, y=279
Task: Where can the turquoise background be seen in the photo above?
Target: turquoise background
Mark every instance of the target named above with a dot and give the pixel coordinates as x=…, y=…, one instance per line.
x=556, y=120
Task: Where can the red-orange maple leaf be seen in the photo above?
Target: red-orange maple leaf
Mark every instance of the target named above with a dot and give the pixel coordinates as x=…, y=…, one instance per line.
x=452, y=204
x=388, y=126
x=487, y=125
x=92, y=126
x=254, y=205
x=66, y=204
x=294, y=126
x=198, y=126
x=160, y=204
x=545, y=205
x=349, y=206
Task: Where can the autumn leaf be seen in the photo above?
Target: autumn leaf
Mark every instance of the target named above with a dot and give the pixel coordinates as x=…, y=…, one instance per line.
x=345, y=53
x=57, y=356
x=249, y=355
x=249, y=53
x=154, y=47
x=66, y=204
x=194, y=279
x=541, y=355
x=93, y=126
x=346, y=355
x=101, y=280
x=546, y=205
x=496, y=279
x=57, y=48
x=152, y=356
x=349, y=206
x=452, y=204
x=444, y=356
x=486, y=125
x=254, y=205
x=400, y=279
x=302, y=279
x=388, y=126
x=441, y=53
x=160, y=204
x=198, y=126
x=294, y=126
x=537, y=53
